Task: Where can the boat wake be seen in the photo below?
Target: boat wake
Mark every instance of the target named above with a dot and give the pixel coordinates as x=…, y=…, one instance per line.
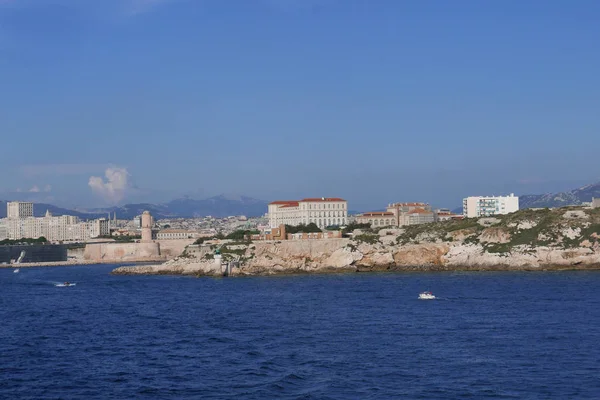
x=66, y=284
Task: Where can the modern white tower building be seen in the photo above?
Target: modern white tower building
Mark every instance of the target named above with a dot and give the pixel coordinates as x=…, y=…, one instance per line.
x=485, y=206
x=19, y=209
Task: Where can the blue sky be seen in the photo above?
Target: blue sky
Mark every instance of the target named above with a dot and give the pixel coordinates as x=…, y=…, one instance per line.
x=371, y=100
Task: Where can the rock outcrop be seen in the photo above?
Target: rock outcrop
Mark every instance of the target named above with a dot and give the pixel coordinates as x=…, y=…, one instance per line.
x=526, y=240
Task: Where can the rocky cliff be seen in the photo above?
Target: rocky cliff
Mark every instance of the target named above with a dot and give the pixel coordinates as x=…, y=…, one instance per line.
x=564, y=238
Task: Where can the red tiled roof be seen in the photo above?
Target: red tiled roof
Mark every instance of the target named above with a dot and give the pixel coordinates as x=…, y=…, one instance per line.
x=419, y=211
x=377, y=214
x=293, y=204
x=322, y=199
x=281, y=202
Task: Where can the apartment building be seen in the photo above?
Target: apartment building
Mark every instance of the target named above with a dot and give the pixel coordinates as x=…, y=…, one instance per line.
x=323, y=211
x=21, y=224
x=485, y=206
x=19, y=209
x=3, y=229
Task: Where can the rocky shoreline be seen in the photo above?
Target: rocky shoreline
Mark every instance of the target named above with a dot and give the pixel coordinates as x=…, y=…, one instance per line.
x=529, y=240
x=77, y=262
x=325, y=256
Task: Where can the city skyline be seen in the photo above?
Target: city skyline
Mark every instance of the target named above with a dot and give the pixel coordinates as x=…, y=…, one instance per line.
x=146, y=101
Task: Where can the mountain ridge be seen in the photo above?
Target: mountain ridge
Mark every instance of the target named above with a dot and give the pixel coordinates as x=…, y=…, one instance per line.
x=225, y=205
x=185, y=207
x=573, y=197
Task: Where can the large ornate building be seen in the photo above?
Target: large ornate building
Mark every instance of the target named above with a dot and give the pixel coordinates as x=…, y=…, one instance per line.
x=323, y=211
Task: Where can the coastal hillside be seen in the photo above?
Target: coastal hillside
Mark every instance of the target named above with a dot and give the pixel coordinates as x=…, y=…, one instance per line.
x=563, y=238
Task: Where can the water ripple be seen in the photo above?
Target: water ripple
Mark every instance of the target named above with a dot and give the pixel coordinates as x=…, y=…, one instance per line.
x=363, y=336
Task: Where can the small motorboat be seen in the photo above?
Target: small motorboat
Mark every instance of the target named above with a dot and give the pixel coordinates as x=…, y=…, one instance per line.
x=16, y=271
x=426, y=296
x=65, y=284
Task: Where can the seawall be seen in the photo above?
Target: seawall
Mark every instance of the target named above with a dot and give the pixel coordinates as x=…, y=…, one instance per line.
x=33, y=253
x=122, y=252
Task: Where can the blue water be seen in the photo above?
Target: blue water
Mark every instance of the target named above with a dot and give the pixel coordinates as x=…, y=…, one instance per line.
x=354, y=336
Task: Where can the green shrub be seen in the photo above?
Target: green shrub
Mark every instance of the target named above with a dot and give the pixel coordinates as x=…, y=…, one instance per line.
x=302, y=228
x=366, y=238
x=40, y=240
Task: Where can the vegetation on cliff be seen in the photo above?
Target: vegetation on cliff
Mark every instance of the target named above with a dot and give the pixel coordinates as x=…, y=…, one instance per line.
x=561, y=228
x=302, y=228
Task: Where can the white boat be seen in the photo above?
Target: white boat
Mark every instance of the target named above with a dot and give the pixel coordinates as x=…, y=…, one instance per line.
x=426, y=296
x=66, y=284
x=16, y=271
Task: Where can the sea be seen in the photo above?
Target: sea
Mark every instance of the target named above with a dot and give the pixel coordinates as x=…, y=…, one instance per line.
x=496, y=335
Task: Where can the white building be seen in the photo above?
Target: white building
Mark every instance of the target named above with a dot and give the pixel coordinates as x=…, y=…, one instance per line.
x=323, y=211
x=54, y=229
x=19, y=209
x=3, y=229
x=478, y=206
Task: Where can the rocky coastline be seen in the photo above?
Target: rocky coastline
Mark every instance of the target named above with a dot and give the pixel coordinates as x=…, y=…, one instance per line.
x=529, y=240
x=76, y=262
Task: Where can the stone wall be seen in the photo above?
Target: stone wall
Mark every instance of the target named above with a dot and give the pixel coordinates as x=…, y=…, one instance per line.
x=76, y=253
x=172, y=248
x=130, y=252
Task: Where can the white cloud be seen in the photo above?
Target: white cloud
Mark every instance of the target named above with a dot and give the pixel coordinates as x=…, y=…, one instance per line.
x=34, y=189
x=112, y=189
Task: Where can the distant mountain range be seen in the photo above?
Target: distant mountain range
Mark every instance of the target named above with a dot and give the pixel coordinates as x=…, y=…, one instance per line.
x=218, y=206
x=224, y=206
x=574, y=197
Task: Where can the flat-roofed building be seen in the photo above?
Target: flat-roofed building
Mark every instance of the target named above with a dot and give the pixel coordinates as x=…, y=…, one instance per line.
x=19, y=209
x=3, y=229
x=485, y=206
